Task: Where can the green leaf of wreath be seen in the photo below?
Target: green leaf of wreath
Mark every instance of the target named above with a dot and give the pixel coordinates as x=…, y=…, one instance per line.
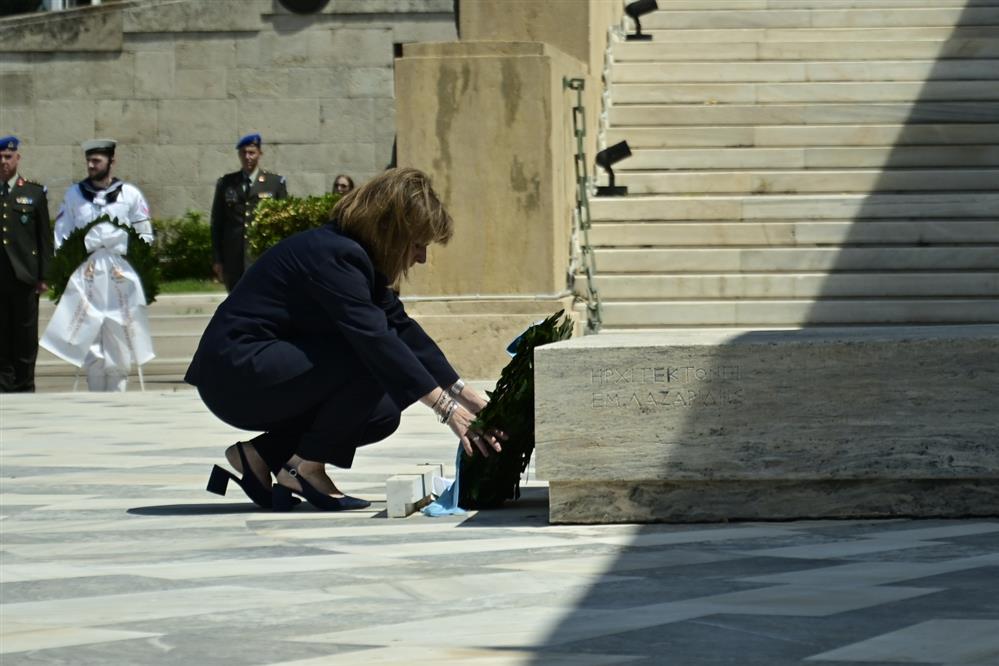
x=73, y=252
x=488, y=482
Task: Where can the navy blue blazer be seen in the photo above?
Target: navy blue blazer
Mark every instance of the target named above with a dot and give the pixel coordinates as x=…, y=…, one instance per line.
x=313, y=299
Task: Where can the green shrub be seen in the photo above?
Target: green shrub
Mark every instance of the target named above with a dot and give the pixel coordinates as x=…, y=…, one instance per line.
x=276, y=219
x=184, y=246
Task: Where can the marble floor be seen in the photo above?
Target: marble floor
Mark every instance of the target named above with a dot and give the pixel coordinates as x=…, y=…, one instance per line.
x=113, y=553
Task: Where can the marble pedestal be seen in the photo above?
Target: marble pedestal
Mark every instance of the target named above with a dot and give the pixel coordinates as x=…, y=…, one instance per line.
x=770, y=425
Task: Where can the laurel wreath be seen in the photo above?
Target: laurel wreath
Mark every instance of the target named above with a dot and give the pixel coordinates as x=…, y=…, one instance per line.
x=488, y=482
x=140, y=255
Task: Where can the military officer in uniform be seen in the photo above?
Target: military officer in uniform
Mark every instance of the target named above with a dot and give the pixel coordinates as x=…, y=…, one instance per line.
x=236, y=197
x=27, y=247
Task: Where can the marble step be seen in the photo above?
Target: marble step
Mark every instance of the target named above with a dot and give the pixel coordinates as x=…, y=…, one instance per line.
x=716, y=5
x=159, y=369
x=718, y=35
x=770, y=93
x=666, y=286
x=794, y=260
x=159, y=325
x=878, y=17
x=805, y=114
x=844, y=180
x=810, y=158
x=166, y=305
x=176, y=322
x=925, y=49
x=958, y=205
x=886, y=137
x=175, y=348
x=798, y=312
x=174, y=345
x=781, y=71
x=793, y=234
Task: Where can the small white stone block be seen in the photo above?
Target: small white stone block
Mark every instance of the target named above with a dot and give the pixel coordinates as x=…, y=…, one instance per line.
x=408, y=492
x=402, y=493
x=430, y=470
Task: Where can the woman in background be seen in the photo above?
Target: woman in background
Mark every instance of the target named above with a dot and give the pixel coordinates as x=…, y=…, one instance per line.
x=342, y=184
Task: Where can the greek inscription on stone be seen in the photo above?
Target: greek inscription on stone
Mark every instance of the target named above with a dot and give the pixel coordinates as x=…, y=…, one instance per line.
x=665, y=374
x=666, y=399
x=651, y=388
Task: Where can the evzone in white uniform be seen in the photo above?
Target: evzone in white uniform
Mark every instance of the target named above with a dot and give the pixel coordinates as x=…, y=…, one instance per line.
x=100, y=322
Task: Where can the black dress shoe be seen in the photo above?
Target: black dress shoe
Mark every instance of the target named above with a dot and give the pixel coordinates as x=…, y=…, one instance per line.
x=258, y=493
x=284, y=497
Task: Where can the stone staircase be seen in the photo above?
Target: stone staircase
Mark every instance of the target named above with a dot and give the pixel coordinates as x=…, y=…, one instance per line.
x=177, y=322
x=804, y=162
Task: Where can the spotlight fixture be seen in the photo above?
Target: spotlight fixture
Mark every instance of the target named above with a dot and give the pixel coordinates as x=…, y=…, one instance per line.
x=608, y=157
x=636, y=9
x=303, y=6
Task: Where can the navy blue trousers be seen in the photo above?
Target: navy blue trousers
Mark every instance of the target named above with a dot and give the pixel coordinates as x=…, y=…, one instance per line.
x=323, y=415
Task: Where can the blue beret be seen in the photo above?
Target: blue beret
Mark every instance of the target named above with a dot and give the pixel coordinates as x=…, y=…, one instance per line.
x=250, y=140
x=9, y=142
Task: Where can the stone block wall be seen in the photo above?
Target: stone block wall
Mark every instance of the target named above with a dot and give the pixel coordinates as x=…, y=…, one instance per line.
x=176, y=82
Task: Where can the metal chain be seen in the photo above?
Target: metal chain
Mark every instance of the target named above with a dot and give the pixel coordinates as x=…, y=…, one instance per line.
x=581, y=216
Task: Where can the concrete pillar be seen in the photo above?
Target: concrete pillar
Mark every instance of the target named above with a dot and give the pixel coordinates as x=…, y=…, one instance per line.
x=490, y=122
x=575, y=27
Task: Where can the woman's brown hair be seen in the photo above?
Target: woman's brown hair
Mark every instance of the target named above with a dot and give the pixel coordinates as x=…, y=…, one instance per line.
x=391, y=212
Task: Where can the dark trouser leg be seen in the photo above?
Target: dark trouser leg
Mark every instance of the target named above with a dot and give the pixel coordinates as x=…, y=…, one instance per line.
x=18, y=337
x=231, y=275
x=323, y=415
x=357, y=414
x=335, y=439
x=233, y=267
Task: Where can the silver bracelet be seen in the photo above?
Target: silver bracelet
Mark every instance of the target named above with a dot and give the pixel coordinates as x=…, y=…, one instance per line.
x=443, y=407
x=456, y=388
x=436, y=407
x=450, y=412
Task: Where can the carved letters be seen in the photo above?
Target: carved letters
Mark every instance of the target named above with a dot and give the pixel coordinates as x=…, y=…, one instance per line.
x=647, y=388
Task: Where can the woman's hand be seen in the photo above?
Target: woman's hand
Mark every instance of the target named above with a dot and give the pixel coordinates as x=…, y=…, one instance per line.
x=471, y=439
x=459, y=414
x=472, y=401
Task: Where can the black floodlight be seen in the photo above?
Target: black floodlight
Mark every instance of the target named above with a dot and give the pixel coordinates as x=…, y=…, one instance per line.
x=303, y=6
x=636, y=9
x=608, y=157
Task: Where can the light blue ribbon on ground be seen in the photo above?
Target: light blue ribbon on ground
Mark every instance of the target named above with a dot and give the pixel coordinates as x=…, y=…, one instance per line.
x=447, y=502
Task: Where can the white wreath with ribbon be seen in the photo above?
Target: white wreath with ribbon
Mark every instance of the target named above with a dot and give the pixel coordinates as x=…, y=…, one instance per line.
x=103, y=304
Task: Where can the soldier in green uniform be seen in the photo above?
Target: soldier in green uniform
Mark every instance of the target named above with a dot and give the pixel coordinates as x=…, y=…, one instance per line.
x=27, y=248
x=236, y=197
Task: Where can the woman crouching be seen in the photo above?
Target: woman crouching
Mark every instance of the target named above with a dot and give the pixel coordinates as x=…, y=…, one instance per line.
x=314, y=348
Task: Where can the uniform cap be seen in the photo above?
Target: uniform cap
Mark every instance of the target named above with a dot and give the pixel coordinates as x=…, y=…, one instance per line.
x=99, y=146
x=9, y=142
x=249, y=140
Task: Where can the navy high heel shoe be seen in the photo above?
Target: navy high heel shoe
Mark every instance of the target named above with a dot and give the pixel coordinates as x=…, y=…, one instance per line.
x=258, y=493
x=284, y=496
